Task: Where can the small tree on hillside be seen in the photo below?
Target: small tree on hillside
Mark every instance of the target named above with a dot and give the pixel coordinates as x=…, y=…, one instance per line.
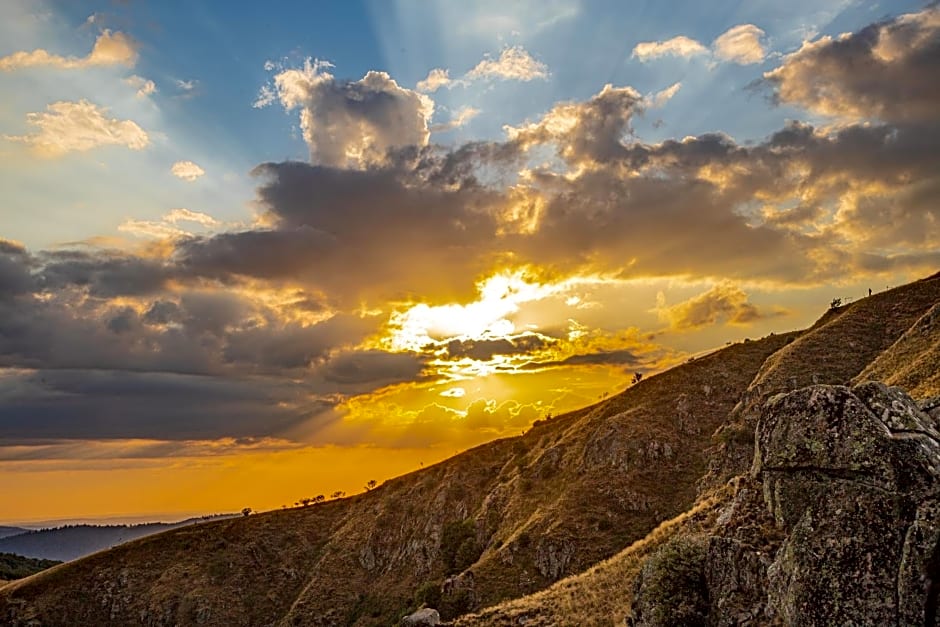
x=371, y=483
x=246, y=511
x=337, y=495
x=637, y=377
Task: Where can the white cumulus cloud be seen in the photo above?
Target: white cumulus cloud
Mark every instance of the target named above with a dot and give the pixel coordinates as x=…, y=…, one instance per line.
x=741, y=44
x=109, y=49
x=514, y=63
x=680, y=46
x=77, y=127
x=187, y=170
x=350, y=123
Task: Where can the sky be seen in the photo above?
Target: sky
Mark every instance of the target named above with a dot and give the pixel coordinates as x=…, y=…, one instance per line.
x=254, y=252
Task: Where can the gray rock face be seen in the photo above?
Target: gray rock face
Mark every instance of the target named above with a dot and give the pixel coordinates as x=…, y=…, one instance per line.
x=839, y=520
x=851, y=475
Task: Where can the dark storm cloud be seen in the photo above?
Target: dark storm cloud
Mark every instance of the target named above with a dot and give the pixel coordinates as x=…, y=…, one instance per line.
x=104, y=273
x=103, y=404
x=373, y=367
x=485, y=350
x=356, y=234
x=600, y=358
x=283, y=347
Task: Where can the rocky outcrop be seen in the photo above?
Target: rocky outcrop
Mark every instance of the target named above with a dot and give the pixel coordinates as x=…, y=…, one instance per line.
x=426, y=617
x=839, y=520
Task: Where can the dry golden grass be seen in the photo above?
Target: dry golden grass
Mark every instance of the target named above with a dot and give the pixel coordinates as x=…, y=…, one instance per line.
x=913, y=362
x=602, y=594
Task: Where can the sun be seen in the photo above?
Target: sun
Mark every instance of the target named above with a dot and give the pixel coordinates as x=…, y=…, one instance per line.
x=488, y=317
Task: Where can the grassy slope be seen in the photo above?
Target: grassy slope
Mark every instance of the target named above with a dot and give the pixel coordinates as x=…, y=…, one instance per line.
x=836, y=349
x=862, y=334
x=913, y=362
x=602, y=594
x=567, y=494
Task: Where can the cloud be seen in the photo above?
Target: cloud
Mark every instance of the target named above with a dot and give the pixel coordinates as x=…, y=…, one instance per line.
x=885, y=71
x=145, y=87
x=187, y=87
x=486, y=349
x=724, y=302
x=187, y=170
x=514, y=63
x=267, y=316
x=185, y=215
x=150, y=229
x=460, y=118
x=166, y=227
x=593, y=130
x=660, y=98
x=78, y=127
x=107, y=404
x=109, y=49
x=373, y=367
x=680, y=46
x=351, y=123
x=740, y=44
x=436, y=79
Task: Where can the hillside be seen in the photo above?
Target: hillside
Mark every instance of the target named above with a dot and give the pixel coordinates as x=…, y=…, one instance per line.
x=16, y=566
x=733, y=515
x=73, y=541
x=835, y=350
x=513, y=515
x=6, y=532
x=580, y=493
x=913, y=362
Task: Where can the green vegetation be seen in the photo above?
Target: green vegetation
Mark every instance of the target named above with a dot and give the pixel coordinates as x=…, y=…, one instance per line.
x=674, y=583
x=456, y=603
x=14, y=566
x=428, y=594
x=459, y=546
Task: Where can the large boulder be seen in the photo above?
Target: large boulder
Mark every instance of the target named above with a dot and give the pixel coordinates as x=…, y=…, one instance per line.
x=839, y=520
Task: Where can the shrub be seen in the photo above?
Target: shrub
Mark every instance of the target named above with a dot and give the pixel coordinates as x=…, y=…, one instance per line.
x=671, y=587
x=428, y=594
x=735, y=433
x=459, y=548
x=456, y=603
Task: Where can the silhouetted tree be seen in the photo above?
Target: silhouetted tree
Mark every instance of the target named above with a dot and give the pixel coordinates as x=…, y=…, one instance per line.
x=371, y=483
x=319, y=498
x=246, y=511
x=338, y=494
x=637, y=377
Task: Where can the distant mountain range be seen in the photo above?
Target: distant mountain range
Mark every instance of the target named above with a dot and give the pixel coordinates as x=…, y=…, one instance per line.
x=11, y=531
x=70, y=542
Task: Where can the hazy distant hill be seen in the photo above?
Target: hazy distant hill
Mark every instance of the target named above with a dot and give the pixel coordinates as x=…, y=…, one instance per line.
x=581, y=501
x=11, y=531
x=73, y=541
x=16, y=566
